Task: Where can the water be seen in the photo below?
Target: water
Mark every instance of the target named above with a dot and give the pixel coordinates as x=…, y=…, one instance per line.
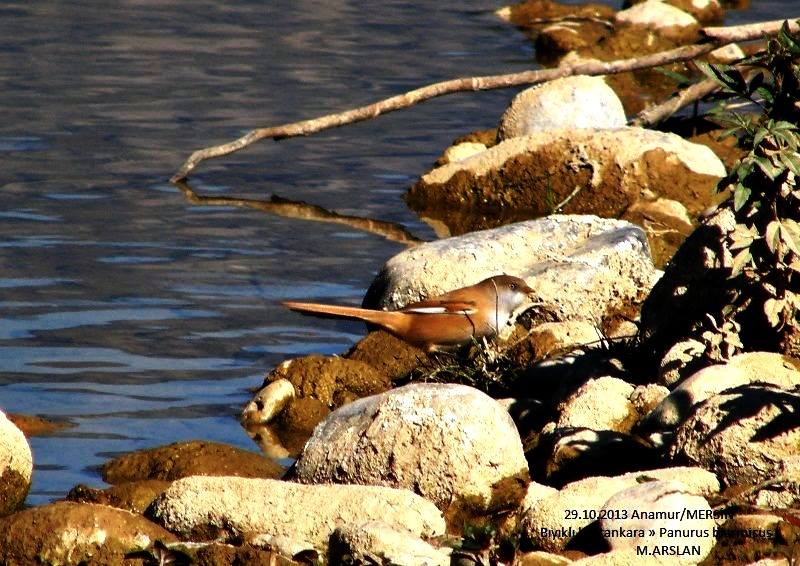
x=141, y=319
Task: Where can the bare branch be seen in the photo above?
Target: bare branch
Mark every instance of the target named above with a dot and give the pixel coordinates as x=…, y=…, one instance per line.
x=718, y=36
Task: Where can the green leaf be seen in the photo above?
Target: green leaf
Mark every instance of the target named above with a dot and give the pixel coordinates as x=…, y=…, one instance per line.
x=787, y=40
x=766, y=94
x=740, y=196
x=766, y=165
x=790, y=160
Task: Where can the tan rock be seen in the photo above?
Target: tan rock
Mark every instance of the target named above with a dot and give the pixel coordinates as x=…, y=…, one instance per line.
x=230, y=507
x=182, y=459
x=75, y=533
x=16, y=466
x=567, y=103
x=582, y=267
x=600, y=404
x=450, y=443
x=742, y=434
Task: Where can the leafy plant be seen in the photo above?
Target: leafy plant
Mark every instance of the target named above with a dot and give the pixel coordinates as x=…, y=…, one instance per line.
x=765, y=242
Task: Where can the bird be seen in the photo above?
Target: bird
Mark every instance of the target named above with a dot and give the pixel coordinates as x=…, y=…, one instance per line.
x=441, y=322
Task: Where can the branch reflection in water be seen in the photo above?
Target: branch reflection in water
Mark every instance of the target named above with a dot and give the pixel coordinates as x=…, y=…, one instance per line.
x=297, y=209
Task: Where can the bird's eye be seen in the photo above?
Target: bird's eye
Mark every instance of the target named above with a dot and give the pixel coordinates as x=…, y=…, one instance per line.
x=513, y=286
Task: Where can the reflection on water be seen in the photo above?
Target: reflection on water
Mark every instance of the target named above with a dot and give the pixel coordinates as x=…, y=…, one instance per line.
x=143, y=319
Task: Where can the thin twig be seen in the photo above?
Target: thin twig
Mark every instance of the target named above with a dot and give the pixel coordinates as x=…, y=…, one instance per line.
x=718, y=36
x=570, y=196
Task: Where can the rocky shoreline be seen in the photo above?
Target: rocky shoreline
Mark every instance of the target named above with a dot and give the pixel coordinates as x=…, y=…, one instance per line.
x=605, y=427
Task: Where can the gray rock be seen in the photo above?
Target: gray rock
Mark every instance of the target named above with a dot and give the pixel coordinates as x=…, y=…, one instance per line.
x=376, y=542
x=581, y=267
x=16, y=466
x=655, y=514
x=230, y=507
x=449, y=443
x=567, y=103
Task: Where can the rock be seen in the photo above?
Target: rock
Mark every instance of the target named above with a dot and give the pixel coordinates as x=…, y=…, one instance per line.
x=751, y=367
x=388, y=354
x=656, y=514
x=553, y=520
x=582, y=267
x=330, y=379
x=612, y=169
x=682, y=359
x=666, y=222
x=33, y=425
x=566, y=103
x=645, y=398
x=623, y=557
x=133, y=496
x=16, y=466
x=741, y=434
x=565, y=455
x=554, y=337
x=676, y=406
x=206, y=508
x=541, y=558
x=659, y=16
x=75, y=533
x=268, y=402
x=186, y=459
x=530, y=13
x=600, y=404
x=449, y=443
x=556, y=40
x=768, y=367
x=727, y=54
x=376, y=542
x=461, y=151
x=704, y=11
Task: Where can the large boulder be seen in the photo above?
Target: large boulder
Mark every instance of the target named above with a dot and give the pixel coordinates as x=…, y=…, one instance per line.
x=742, y=434
x=576, y=171
x=450, y=443
x=231, y=508
x=581, y=267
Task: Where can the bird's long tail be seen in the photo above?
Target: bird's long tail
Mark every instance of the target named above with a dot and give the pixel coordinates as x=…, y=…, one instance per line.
x=386, y=319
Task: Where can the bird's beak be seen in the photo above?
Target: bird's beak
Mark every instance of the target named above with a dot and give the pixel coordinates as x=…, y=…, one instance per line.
x=527, y=290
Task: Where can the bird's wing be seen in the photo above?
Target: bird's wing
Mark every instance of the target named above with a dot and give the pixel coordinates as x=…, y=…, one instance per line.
x=441, y=306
